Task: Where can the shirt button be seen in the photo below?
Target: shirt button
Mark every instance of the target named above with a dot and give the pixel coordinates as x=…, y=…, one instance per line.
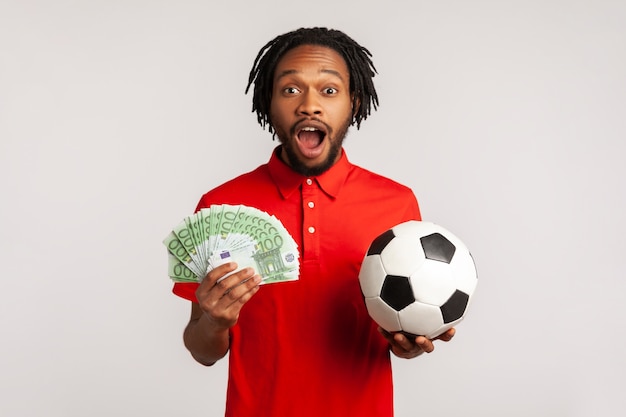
x=311, y=229
x=311, y=204
x=309, y=181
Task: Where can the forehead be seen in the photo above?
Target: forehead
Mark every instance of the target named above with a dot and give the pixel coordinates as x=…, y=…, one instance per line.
x=312, y=59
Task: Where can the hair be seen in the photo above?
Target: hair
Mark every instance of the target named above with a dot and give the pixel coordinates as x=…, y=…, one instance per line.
x=357, y=58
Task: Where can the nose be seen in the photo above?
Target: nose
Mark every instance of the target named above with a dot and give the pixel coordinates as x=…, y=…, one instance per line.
x=309, y=104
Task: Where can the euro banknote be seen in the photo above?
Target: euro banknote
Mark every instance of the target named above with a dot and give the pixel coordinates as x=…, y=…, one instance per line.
x=231, y=233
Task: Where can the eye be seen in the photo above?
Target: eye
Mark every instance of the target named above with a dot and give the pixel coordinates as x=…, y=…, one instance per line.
x=290, y=90
x=330, y=91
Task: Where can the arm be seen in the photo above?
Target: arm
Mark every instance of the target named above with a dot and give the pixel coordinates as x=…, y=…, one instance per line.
x=217, y=310
x=404, y=347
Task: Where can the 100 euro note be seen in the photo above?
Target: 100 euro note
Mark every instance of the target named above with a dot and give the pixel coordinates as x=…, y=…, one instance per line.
x=225, y=233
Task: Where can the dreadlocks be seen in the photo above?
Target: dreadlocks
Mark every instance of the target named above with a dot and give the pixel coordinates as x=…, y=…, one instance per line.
x=358, y=60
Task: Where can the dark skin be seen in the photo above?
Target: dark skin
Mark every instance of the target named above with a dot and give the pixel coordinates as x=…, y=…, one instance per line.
x=407, y=348
x=311, y=95
x=217, y=310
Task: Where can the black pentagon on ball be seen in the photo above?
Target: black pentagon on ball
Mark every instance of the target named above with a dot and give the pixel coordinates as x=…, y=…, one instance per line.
x=397, y=292
x=454, y=307
x=438, y=248
x=380, y=242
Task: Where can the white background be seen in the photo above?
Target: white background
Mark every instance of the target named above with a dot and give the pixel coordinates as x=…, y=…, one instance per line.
x=507, y=119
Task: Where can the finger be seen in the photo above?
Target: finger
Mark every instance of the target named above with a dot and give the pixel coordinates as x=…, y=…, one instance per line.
x=447, y=335
x=404, y=342
x=205, y=293
x=218, y=282
x=425, y=344
x=396, y=341
x=233, y=279
x=222, y=304
x=215, y=274
x=241, y=292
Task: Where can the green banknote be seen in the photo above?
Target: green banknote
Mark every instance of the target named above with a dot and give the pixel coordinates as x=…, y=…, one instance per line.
x=231, y=233
x=189, y=258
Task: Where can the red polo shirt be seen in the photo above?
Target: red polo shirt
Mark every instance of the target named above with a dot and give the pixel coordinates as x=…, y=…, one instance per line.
x=308, y=347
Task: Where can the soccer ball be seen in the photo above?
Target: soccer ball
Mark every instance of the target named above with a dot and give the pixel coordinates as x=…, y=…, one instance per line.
x=417, y=278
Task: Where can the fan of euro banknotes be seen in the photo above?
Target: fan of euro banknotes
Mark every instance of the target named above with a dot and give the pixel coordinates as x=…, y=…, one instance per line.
x=223, y=233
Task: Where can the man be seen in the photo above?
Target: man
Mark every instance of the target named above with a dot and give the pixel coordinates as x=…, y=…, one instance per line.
x=306, y=347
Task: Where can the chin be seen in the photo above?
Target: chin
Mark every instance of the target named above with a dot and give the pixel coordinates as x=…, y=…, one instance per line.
x=307, y=169
x=304, y=167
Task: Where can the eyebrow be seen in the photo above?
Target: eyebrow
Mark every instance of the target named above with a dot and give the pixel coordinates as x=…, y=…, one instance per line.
x=323, y=71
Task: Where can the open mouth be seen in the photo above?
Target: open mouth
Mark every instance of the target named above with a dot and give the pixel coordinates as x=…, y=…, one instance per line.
x=310, y=137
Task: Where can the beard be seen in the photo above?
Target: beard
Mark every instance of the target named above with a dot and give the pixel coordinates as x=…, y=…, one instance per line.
x=336, y=142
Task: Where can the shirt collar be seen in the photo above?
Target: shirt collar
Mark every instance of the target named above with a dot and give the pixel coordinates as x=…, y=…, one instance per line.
x=289, y=181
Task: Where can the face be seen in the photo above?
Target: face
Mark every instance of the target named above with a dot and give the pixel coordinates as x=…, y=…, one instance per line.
x=311, y=107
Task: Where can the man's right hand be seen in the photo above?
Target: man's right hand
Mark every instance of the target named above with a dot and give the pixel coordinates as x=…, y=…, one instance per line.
x=220, y=299
x=221, y=296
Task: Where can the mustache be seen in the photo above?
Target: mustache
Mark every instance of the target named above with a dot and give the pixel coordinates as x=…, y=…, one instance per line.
x=296, y=126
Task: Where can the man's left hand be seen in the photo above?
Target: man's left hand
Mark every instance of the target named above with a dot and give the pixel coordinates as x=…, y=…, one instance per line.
x=407, y=348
